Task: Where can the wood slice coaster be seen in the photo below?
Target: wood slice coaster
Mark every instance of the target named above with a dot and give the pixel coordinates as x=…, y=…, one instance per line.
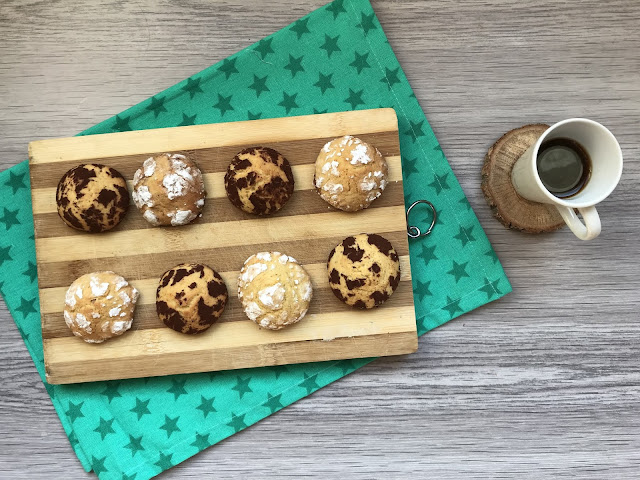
x=511, y=209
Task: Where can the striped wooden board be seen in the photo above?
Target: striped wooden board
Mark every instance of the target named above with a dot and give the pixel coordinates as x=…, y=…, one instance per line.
x=306, y=228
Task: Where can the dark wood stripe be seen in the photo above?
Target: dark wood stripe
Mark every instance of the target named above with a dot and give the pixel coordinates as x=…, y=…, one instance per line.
x=210, y=160
x=217, y=210
x=136, y=267
x=324, y=301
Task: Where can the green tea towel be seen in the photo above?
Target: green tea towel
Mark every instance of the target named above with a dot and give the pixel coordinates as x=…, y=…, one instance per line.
x=335, y=59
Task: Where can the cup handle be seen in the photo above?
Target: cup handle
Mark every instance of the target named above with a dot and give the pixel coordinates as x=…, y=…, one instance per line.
x=588, y=230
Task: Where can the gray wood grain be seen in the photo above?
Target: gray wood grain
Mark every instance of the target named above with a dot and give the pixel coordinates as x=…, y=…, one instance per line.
x=543, y=383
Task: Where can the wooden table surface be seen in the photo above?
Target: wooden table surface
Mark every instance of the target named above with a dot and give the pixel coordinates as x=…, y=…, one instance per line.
x=543, y=383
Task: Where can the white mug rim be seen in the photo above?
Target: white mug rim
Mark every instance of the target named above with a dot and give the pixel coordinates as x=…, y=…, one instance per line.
x=572, y=203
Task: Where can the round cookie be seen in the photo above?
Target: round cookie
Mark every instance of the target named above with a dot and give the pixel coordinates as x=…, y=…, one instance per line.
x=92, y=197
x=190, y=297
x=99, y=306
x=275, y=291
x=169, y=190
x=350, y=173
x=259, y=180
x=364, y=270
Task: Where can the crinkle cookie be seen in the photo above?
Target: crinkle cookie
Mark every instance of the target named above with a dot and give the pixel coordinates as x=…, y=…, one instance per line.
x=93, y=198
x=259, y=180
x=169, y=190
x=99, y=306
x=275, y=291
x=350, y=173
x=190, y=297
x=364, y=270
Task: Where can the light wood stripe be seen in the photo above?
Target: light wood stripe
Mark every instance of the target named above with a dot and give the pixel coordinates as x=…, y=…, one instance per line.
x=44, y=199
x=244, y=232
x=134, y=267
x=52, y=299
x=319, y=337
x=212, y=135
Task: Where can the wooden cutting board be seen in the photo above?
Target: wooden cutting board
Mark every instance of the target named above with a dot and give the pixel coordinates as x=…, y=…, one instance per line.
x=306, y=228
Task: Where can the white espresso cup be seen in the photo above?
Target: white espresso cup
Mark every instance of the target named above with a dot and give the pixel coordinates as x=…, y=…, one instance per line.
x=606, y=168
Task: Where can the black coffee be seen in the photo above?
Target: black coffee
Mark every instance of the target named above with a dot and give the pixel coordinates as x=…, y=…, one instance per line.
x=564, y=166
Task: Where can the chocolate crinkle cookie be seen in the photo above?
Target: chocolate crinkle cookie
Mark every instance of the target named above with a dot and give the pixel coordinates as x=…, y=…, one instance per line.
x=364, y=270
x=190, y=298
x=92, y=197
x=259, y=180
x=169, y=190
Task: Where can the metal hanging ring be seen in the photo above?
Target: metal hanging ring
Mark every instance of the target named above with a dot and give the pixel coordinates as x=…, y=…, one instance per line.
x=415, y=232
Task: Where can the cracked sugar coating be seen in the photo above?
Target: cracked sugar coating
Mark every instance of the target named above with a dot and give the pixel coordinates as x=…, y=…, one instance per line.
x=190, y=298
x=99, y=306
x=92, y=197
x=364, y=270
x=350, y=173
x=168, y=190
x=259, y=180
x=275, y=291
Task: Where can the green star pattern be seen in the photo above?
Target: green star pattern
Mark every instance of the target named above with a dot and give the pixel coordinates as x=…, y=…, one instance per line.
x=10, y=218
x=4, y=255
x=26, y=307
x=188, y=120
x=121, y=124
x=300, y=27
x=273, y=403
x=75, y=411
x=164, y=462
x=237, y=422
x=440, y=183
x=360, y=62
x=202, y=441
x=324, y=82
x=141, y=408
x=170, y=425
x=157, y=106
x=264, y=47
x=206, y=406
x=177, y=388
x=355, y=98
x=97, y=465
x=330, y=45
x=31, y=271
x=458, y=270
x=259, y=85
x=335, y=59
x=242, y=386
x=229, y=67
x=224, y=104
x=192, y=87
x=104, y=428
x=390, y=77
x=111, y=391
x=135, y=445
x=16, y=181
x=465, y=235
x=289, y=101
x=294, y=65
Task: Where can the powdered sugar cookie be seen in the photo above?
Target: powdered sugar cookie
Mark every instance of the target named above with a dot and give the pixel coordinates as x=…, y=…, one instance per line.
x=275, y=291
x=350, y=173
x=99, y=306
x=169, y=190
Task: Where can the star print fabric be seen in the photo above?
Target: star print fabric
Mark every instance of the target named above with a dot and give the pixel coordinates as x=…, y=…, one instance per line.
x=334, y=59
